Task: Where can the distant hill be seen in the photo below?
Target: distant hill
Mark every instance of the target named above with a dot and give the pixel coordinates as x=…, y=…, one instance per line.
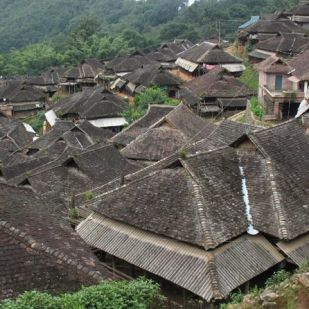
x=30, y=21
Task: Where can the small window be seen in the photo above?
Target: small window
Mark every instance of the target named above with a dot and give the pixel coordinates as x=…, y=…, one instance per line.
x=278, y=82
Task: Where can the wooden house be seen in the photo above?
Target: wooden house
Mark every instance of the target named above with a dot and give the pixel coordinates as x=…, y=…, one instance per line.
x=49, y=81
x=148, y=76
x=20, y=100
x=203, y=57
x=167, y=135
x=97, y=105
x=81, y=76
x=215, y=93
x=300, y=14
x=286, y=45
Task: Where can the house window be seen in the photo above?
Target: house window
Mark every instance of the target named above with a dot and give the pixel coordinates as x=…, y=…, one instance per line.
x=278, y=82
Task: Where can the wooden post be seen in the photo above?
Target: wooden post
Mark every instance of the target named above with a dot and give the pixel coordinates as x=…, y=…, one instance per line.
x=247, y=287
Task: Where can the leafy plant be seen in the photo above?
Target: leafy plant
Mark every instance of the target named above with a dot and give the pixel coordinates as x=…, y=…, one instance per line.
x=182, y=154
x=257, y=108
x=88, y=195
x=36, y=122
x=277, y=278
x=73, y=213
x=138, y=294
x=236, y=297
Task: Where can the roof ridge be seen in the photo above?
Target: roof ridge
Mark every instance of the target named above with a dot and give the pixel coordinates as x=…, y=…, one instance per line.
x=200, y=202
x=39, y=246
x=283, y=232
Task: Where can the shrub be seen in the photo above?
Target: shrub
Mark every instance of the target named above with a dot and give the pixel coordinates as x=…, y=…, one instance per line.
x=73, y=214
x=256, y=108
x=236, y=297
x=36, y=122
x=88, y=195
x=138, y=294
x=277, y=278
x=250, y=77
x=182, y=154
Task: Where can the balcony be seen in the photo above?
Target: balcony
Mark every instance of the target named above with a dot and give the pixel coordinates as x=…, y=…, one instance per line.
x=283, y=95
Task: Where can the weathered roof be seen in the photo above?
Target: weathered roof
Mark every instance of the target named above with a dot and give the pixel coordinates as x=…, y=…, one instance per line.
x=35, y=255
x=209, y=53
x=282, y=180
x=301, y=9
x=195, y=199
x=218, y=85
x=18, y=92
x=140, y=126
x=280, y=25
x=286, y=44
x=297, y=250
x=89, y=68
x=151, y=75
x=300, y=64
x=129, y=63
x=78, y=171
x=167, y=135
x=91, y=104
x=49, y=78
x=251, y=21
x=208, y=275
x=274, y=64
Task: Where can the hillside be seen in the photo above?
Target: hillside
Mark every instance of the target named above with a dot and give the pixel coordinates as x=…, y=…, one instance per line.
x=26, y=22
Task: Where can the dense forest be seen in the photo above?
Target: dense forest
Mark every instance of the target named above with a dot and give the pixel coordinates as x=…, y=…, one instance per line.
x=37, y=34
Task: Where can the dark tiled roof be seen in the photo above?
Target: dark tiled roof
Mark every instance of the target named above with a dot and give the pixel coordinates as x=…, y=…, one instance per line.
x=301, y=9
x=94, y=104
x=275, y=26
x=300, y=64
x=285, y=44
x=35, y=255
x=129, y=63
x=218, y=85
x=168, y=135
x=140, y=126
x=89, y=68
x=50, y=77
x=274, y=64
x=208, y=53
x=18, y=92
x=151, y=75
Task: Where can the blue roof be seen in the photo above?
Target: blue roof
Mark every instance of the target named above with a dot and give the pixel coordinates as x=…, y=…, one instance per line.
x=253, y=20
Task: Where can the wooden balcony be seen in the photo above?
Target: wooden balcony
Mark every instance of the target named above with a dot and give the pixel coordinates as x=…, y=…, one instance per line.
x=283, y=95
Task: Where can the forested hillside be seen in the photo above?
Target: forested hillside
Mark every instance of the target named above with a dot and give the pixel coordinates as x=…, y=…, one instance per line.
x=70, y=30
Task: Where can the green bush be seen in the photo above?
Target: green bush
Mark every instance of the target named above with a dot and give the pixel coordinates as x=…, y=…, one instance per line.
x=36, y=122
x=88, y=195
x=151, y=95
x=138, y=294
x=73, y=214
x=236, y=297
x=256, y=108
x=277, y=278
x=250, y=77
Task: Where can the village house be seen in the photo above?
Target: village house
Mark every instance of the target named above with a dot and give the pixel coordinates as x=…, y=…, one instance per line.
x=266, y=28
x=39, y=251
x=165, y=137
x=222, y=240
x=81, y=76
x=147, y=76
x=20, y=100
x=13, y=137
x=284, y=45
x=215, y=93
x=99, y=106
x=202, y=58
x=300, y=14
x=167, y=53
x=122, y=65
x=48, y=81
x=154, y=113
x=283, y=85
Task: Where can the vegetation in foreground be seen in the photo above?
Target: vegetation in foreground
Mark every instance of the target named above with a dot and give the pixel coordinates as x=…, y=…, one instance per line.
x=284, y=290
x=138, y=294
